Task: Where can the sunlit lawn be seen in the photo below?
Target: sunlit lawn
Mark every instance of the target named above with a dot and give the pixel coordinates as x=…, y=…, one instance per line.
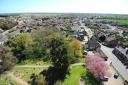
x=26, y=72
x=33, y=62
x=72, y=79
x=75, y=74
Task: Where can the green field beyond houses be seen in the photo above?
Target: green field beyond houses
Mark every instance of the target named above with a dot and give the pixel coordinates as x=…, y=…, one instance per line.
x=124, y=21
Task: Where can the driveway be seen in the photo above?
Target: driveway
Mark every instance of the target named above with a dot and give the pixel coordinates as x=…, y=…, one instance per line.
x=117, y=64
x=112, y=80
x=112, y=58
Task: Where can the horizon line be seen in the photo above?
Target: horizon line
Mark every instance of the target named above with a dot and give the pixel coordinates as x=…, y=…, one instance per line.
x=61, y=13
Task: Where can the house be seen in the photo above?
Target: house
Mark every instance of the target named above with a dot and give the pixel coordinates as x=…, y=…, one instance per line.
x=3, y=38
x=111, y=41
x=73, y=34
x=92, y=44
x=122, y=54
x=117, y=59
x=1, y=30
x=100, y=35
x=78, y=32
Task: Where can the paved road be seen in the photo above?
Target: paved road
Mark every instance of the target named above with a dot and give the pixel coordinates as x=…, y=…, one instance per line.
x=88, y=30
x=112, y=80
x=115, y=61
x=5, y=35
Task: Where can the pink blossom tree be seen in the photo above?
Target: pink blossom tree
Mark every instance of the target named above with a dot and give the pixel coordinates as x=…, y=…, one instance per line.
x=97, y=66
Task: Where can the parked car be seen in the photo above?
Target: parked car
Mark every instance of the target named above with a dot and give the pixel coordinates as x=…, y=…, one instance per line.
x=116, y=75
x=85, y=52
x=105, y=78
x=125, y=82
x=105, y=58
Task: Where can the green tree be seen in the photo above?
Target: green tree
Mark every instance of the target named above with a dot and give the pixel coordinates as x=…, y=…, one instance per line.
x=76, y=48
x=6, y=25
x=57, y=45
x=7, y=59
x=18, y=44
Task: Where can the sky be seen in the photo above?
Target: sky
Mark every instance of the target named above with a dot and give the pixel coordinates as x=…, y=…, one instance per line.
x=67, y=6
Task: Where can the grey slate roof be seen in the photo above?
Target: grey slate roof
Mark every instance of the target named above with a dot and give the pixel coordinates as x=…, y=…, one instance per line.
x=123, y=51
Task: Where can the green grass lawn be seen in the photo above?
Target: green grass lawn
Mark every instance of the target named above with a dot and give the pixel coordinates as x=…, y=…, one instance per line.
x=5, y=80
x=117, y=20
x=26, y=72
x=75, y=74
x=33, y=62
x=72, y=79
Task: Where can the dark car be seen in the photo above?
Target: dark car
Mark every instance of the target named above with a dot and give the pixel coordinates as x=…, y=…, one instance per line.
x=116, y=75
x=105, y=58
x=104, y=78
x=125, y=82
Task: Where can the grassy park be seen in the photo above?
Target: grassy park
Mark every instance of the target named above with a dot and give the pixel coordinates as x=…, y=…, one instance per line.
x=44, y=58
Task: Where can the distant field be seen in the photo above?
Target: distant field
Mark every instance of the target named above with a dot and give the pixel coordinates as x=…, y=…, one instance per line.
x=117, y=20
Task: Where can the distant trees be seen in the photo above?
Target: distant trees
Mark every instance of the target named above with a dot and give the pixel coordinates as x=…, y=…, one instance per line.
x=97, y=66
x=6, y=25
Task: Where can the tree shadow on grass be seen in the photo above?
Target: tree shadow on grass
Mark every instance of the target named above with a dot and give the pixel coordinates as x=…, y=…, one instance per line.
x=54, y=74
x=90, y=79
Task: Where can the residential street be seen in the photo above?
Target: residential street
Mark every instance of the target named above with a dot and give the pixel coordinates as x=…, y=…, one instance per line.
x=111, y=57
x=112, y=80
x=116, y=63
x=88, y=30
